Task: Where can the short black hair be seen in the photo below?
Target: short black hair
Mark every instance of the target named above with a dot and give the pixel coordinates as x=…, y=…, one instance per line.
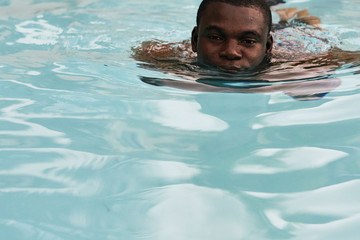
x=258, y=4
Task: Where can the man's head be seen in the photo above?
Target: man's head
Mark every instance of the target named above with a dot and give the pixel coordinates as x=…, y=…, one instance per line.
x=232, y=35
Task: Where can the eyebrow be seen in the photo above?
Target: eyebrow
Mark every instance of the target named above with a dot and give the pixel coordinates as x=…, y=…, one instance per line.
x=221, y=31
x=213, y=28
x=255, y=34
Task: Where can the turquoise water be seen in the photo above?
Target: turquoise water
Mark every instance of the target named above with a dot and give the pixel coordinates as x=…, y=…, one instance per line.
x=88, y=151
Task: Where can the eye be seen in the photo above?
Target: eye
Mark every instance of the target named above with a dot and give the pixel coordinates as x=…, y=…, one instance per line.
x=215, y=37
x=248, y=42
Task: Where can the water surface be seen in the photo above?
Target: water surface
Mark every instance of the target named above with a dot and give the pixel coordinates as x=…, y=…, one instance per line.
x=89, y=151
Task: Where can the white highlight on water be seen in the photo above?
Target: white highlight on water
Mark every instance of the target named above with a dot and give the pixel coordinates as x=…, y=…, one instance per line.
x=38, y=32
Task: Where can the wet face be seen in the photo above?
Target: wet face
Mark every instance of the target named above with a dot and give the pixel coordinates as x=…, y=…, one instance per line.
x=231, y=38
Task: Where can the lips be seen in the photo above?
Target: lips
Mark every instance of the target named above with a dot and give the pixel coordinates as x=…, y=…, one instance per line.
x=231, y=69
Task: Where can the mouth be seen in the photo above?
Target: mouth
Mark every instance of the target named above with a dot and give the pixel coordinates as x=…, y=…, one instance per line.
x=226, y=68
x=230, y=69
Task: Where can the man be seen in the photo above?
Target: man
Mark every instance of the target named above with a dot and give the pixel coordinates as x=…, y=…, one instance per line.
x=232, y=35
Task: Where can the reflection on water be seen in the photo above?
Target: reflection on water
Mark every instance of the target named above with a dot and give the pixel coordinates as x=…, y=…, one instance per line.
x=202, y=213
x=285, y=160
x=185, y=115
x=25, y=9
x=329, y=210
x=325, y=113
x=38, y=32
x=87, y=151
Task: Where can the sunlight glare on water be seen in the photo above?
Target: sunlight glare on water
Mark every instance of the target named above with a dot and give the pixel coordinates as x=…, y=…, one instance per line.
x=90, y=150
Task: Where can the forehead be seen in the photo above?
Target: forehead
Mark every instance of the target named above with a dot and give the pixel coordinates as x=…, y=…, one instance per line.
x=226, y=15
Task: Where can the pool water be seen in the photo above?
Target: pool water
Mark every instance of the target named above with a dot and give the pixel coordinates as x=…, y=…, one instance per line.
x=89, y=151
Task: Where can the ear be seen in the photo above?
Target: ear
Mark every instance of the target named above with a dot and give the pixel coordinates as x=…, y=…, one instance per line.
x=194, y=38
x=269, y=44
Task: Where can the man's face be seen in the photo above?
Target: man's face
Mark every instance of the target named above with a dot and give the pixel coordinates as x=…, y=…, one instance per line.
x=231, y=38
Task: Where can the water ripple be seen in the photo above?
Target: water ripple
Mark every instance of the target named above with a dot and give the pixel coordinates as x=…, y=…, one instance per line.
x=287, y=160
x=336, y=110
x=36, y=175
x=38, y=32
x=231, y=221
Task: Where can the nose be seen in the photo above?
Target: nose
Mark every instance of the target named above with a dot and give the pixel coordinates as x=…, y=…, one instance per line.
x=231, y=50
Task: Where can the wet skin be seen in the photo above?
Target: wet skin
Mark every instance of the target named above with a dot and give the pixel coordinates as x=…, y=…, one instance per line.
x=231, y=38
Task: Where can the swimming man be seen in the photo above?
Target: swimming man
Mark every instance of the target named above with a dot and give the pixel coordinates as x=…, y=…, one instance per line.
x=235, y=36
